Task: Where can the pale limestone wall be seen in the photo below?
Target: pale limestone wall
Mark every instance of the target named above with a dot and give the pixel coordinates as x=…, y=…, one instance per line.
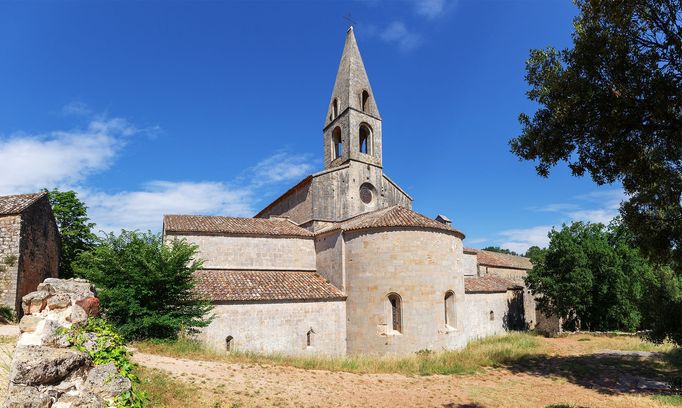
x=10, y=233
x=470, y=265
x=279, y=327
x=517, y=276
x=420, y=266
x=246, y=252
x=477, y=308
x=329, y=248
x=297, y=206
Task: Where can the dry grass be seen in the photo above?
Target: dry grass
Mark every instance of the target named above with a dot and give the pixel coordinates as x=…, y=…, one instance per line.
x=490, y=352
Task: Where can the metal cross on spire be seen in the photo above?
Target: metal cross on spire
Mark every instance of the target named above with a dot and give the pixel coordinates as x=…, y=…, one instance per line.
x=349, y=20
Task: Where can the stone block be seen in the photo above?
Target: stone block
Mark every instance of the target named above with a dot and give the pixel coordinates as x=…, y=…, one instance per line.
x=28, y=323
x=40, y=365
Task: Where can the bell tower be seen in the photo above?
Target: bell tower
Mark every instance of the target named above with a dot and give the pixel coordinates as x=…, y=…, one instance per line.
x=352, y=128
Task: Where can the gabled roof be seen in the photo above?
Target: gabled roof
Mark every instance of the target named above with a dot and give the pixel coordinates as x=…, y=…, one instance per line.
x=489, y=258
x=233, y=225
x=488, y=284
x=394, y=216
x=229, y=285
x=16, y=204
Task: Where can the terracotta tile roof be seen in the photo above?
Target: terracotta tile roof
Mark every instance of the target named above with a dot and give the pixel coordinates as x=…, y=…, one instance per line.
x=489, y=258
x=470, y=250
x=488, y=284
x=231, y=285
x=394, y=216
x=16, y=204
x=233, y=225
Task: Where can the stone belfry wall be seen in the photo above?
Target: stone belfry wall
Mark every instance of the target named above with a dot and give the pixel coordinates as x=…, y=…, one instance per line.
x=353, y=115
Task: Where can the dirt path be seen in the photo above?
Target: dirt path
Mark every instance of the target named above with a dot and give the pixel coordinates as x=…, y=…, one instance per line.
x=261, y=385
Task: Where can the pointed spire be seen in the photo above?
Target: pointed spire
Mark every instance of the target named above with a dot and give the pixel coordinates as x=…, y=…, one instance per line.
x=351, y=82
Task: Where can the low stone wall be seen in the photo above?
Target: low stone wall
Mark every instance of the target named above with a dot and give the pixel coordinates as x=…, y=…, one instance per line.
x=45, y=371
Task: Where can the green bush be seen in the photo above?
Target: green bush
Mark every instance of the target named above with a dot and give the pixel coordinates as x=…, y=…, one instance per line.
x=145, y=286
x=110, y=348
x=7, y=315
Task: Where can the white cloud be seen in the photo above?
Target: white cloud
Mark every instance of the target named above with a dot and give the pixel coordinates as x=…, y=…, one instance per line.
x=599, y=206
x=397, y=33
x=279, y=167
x=76, y=108
x=31, y=162
x=519, y=240
x=431, y=8
x=144, y=209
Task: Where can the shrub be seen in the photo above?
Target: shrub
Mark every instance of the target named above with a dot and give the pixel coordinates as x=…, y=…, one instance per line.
x=110, y=348
x=146, y=287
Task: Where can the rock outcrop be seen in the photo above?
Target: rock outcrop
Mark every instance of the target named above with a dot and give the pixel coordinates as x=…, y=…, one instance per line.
x=46, y=372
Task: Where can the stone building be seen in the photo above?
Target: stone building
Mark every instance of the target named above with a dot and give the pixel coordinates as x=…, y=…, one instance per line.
x=340, y=263
x=29, y=246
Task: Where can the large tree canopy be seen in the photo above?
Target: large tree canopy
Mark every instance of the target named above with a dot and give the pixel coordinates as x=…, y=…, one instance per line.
x=75, y=228
x=612, y=106
x=593, y=276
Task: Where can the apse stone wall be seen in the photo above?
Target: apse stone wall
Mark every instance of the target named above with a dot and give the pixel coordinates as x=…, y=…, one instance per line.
x=330, y=265
x=419, y=265
x=279, y=327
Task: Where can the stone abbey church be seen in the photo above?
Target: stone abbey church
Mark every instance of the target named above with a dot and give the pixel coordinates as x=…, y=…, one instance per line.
x=341, y=264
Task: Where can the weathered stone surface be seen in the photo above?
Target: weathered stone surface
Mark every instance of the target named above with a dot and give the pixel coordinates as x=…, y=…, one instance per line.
x=40, y=365
x=34, y=302
x=105, y=381
x=77, y=315
x=80, y=400
x=90, y=305
x=76, y=288
x=58, y=301
x=22, y=396
x=28, y=323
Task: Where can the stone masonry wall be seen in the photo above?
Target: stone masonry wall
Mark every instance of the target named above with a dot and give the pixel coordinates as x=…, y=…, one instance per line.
x=39, y=247
x=421, y=266
x=244, y=252
x=46, y=372
x=10, y=233
x=330, y=264
x=477, y=308
x=279, y=327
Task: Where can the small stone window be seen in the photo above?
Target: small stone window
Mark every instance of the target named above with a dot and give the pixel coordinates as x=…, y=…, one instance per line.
x=365, y=139
x=450, y=319
x=337, y=146
x=396, y=314
x=228, y=343
x=335, y=109
x=492, y=315
x=364, y=100
x=309, y=337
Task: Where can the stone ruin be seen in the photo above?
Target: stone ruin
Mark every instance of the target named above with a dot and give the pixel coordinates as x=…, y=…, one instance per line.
x=45, y=371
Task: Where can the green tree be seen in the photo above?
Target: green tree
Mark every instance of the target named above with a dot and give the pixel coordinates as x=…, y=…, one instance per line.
x=146, y=287
x=500, y=250
x=610, y=106
x=534, y=252
x=75, y=228
x=592, y=275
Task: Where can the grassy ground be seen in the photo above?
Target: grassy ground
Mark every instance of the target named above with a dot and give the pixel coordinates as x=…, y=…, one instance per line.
x=491, y=352
x=577, y=370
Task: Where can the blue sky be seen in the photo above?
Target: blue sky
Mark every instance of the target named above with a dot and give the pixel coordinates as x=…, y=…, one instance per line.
x=153, y=107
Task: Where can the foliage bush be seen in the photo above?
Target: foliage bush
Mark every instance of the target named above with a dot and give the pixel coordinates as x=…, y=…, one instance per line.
x=145, y=286
x=110, y=348
x=7, y=315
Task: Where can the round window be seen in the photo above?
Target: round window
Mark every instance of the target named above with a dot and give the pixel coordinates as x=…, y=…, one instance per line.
x=366, y=193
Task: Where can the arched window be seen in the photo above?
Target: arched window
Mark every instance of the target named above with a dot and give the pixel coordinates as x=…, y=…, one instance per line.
x=492, y=315
x=395, y=304
x=336, y=143
x=335, y=109
x=450, y=319
x=228, y=343
x=364, y=101
x=365, y=139
x=309, y=337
